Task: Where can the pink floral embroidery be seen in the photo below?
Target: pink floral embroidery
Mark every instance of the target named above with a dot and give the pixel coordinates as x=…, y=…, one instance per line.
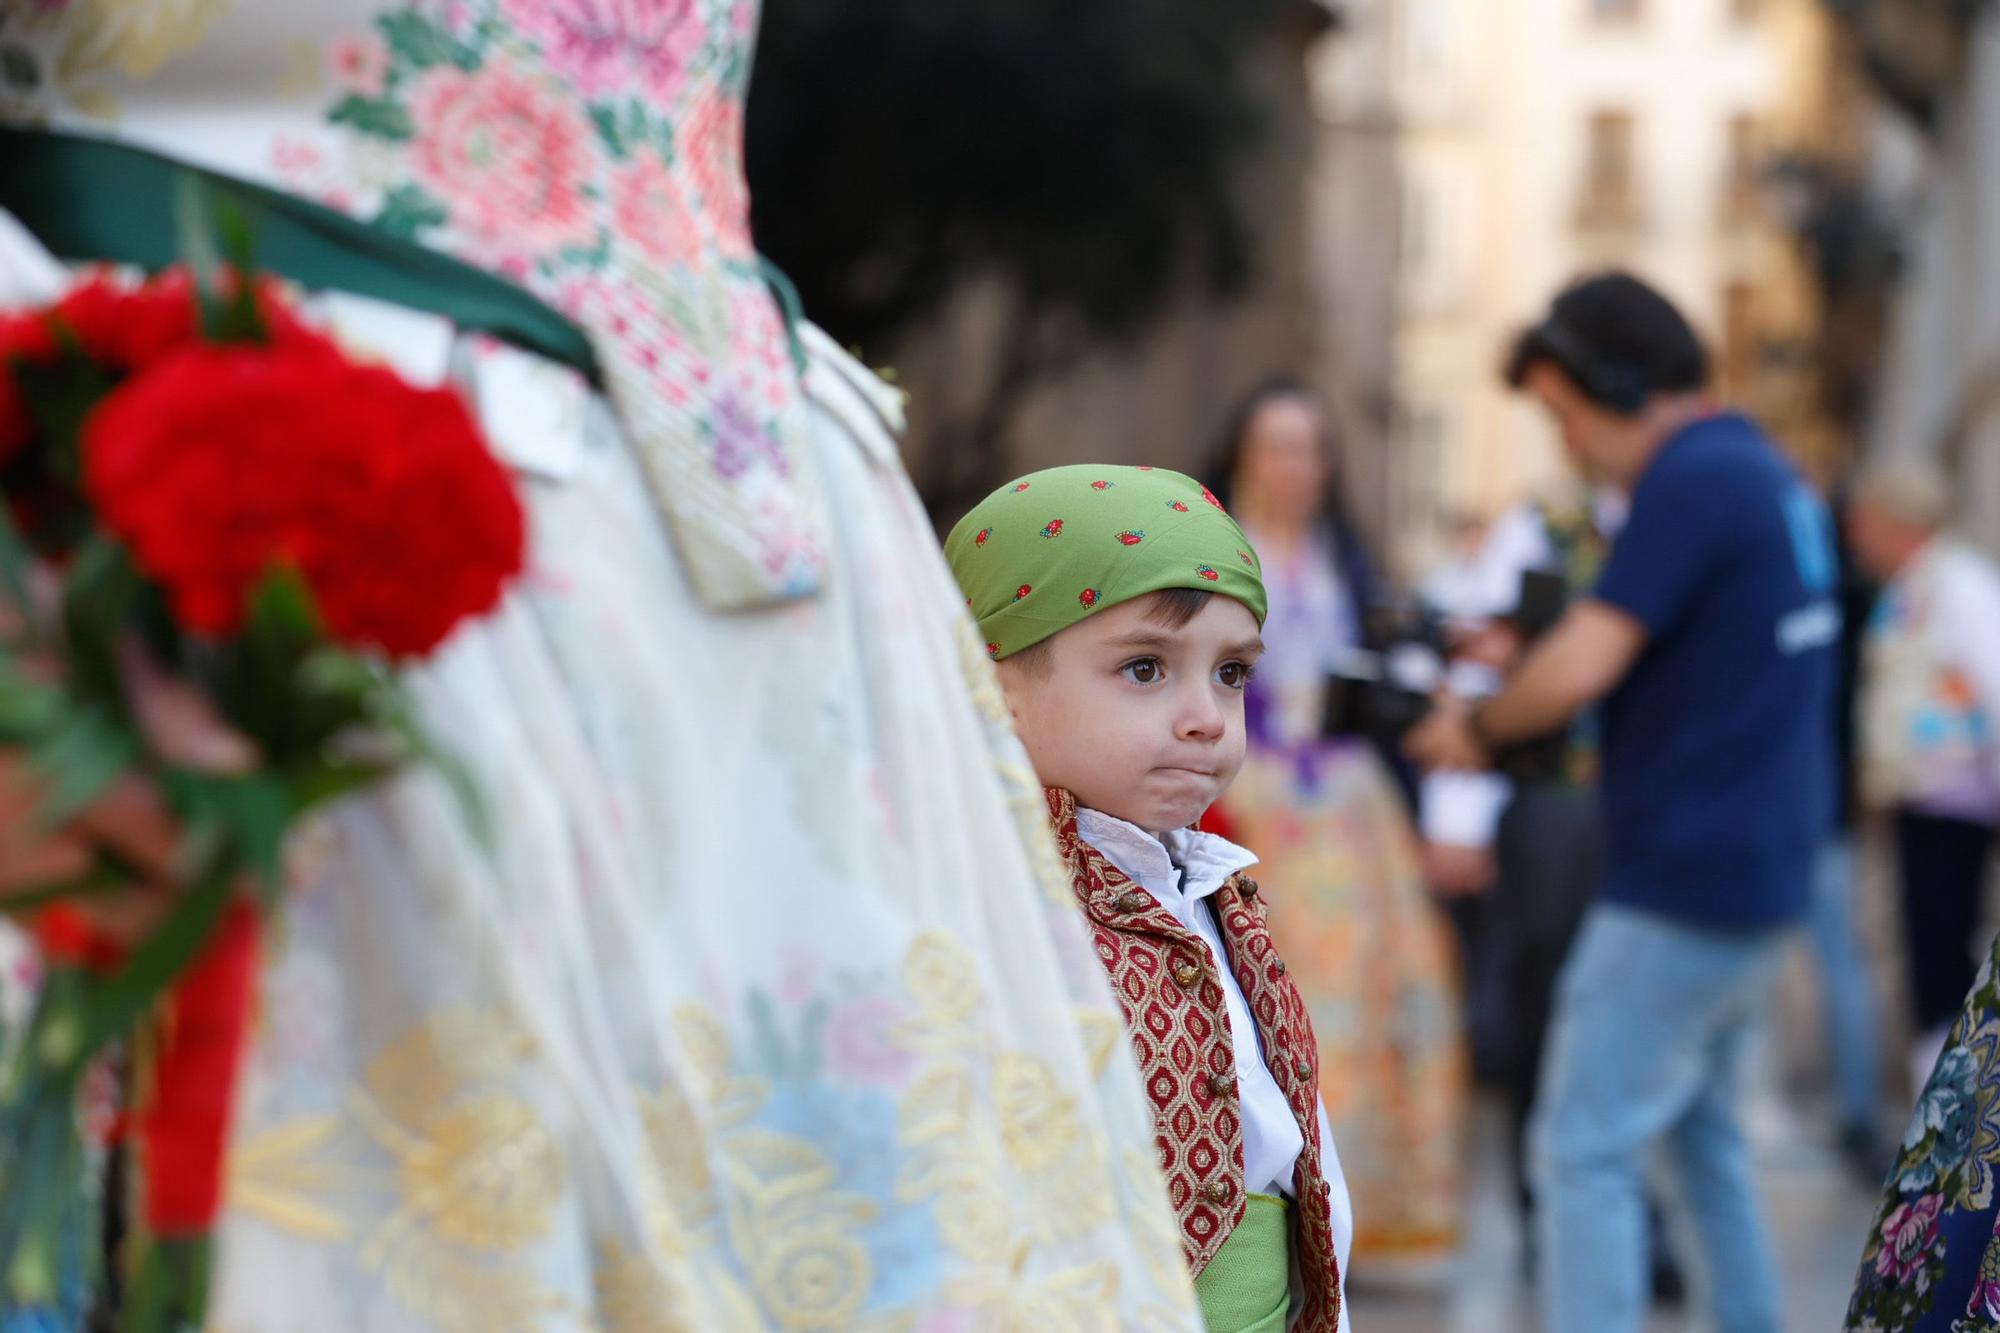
x=649, y=210
x=359, y=63
x=859, y=1046
x=713, y=143
x=602, y=46
x=1907, y=1236
x=507, y=155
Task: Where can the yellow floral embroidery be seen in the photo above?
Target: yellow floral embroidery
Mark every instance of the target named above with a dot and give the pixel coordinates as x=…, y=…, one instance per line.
x=1010, y=1188
x=769, y=1198
x=276, y=1176
x=475, y=1174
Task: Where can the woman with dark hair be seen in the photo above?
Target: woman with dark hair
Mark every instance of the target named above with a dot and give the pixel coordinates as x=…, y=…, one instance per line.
x=1371, y=955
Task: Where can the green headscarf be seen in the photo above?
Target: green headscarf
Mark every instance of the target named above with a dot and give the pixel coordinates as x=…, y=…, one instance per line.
x=1041, y=553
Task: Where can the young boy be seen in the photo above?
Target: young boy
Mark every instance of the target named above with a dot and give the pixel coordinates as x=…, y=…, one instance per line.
x=1124, y=608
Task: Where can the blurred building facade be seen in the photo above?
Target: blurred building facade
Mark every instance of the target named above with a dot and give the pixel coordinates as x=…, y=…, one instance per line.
x=1933, y=175
x=1540, y=140
x=1320, y=197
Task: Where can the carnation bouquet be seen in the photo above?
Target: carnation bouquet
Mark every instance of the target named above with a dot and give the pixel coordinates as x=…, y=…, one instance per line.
x=199, y=487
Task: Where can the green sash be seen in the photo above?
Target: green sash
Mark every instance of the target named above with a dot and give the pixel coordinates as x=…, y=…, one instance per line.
x=1247, y=1286
x=94, y=199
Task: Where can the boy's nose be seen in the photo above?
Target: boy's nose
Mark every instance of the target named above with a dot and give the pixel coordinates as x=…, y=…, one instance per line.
x=1200, y=717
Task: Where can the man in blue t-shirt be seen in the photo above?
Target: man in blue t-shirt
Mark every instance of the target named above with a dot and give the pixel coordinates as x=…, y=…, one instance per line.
x=1709, y=641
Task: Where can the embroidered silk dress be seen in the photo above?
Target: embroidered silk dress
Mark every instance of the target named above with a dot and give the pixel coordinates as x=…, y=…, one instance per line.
x=769, y=1008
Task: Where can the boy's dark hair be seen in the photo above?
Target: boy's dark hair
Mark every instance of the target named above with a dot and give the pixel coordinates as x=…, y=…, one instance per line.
x=1171, y=608
x=1617, y=340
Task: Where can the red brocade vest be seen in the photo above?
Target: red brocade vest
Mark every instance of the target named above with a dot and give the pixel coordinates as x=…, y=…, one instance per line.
x=1166, y=981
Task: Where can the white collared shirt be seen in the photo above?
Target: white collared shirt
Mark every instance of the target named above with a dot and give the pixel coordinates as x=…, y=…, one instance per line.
x=1181, y=870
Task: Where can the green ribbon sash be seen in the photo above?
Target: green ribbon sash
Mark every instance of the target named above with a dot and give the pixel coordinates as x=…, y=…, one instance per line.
x=95, y=199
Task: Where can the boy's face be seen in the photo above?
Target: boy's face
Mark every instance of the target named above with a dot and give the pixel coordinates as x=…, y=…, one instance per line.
x=1134, y=718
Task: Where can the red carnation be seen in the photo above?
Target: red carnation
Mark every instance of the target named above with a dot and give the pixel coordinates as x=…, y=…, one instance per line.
x=129, y=328
x=223, y=462
x=24, y=336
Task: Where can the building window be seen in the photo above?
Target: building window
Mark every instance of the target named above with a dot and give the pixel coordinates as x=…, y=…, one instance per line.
x=1743, y=172
x=1610, y=195
x=1617, y=11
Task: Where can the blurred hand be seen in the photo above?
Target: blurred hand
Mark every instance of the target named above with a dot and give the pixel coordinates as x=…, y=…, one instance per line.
x=1444, y=738
x=1458, y=872
x=130, y=820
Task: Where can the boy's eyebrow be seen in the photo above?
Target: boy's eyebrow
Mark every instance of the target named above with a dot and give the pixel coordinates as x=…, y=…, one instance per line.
x=1144, y=638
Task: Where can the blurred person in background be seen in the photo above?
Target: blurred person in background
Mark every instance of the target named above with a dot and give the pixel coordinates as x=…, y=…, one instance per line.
x=1709, y=638
x=1930, y=726
x=1370, y=954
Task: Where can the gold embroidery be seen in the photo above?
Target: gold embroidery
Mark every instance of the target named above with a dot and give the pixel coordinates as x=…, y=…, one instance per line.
x=772, y=1197
x=132, y=39
x=475, y=1174
x=963, y=1162
x=632, y=1295
x=273, y=1176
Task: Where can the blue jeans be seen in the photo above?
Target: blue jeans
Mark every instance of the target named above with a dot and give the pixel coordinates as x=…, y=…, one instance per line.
x=1653, y=1023
x=1847, y=1005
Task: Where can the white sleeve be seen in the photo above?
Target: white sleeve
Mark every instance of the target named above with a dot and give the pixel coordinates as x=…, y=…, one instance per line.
x=1343, y=1207
x=1462, y=809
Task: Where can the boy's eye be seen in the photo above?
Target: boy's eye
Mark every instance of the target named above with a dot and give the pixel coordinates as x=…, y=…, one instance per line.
x=1144, y=671
x=1235, y=675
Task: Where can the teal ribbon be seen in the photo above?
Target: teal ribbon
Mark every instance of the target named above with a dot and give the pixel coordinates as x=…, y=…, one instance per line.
x=90, y=199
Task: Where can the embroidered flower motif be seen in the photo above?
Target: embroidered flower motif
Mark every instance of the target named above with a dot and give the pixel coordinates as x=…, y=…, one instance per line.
x=602, y=46
x=1023, y=591
x=1207, y=572
x=507, y=155
x=1053, y=528
x=649, y=210
x=741, y=439
x=1247, y=558
x=1907, y=1236
x=859, y=1048
x=359, y=63
x=1985, y=1302
x=1177, y=506
x=1101, y=485
x=993, y=650
x=713, y=145
x=980, y=540
x=1209, y=496
x=1088, y=598
x=1131, y=537
x=1021, y=487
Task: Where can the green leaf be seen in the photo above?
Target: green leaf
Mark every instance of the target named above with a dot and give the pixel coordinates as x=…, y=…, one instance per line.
x=408, y=211
x=117, y=1001
x=606, y=121
x=81, y=760
x=17, y=69
x=168, y=1290
x=98, y=596
x=330, y=782
x=30, y=710
x=59, y=395
x=247, y=817
x=416, y=41
x=220, y=227
x=373, y=115
x=396, y=716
